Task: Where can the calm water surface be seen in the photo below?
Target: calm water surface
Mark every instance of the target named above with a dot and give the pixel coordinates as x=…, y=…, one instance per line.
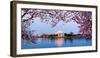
x=55, y=43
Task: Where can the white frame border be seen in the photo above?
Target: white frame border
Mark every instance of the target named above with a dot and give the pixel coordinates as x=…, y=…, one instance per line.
x=51, y=50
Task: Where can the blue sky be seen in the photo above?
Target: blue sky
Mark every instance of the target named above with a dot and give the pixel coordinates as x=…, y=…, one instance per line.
x=41, y=27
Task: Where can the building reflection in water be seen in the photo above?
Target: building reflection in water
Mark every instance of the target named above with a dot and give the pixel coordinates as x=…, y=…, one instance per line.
x=39, y=39
x=59, y=41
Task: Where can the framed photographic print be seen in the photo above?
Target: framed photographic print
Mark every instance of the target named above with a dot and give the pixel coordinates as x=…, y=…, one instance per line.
x=40, y=28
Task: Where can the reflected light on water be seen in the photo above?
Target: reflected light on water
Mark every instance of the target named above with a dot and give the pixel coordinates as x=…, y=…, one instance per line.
x=54, y=42
x=59, y=41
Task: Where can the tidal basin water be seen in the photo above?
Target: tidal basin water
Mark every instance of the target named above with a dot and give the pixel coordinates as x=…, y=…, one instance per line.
x=55, y=43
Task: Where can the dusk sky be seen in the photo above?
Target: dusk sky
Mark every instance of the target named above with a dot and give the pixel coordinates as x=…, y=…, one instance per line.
x=41, y=27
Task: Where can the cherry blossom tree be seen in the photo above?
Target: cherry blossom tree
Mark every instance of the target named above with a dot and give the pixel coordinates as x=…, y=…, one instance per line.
x=53, y=16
